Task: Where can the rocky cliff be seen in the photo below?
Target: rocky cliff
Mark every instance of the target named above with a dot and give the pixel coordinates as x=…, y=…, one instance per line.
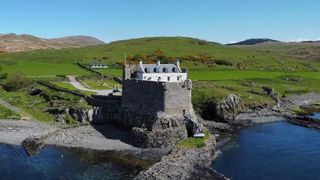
x=184, y=163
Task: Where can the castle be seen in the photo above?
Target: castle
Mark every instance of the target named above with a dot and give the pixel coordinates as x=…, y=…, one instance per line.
x=155, y=104
x=152, y=88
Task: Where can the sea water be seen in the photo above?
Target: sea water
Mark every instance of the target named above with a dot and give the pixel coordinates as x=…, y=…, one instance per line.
x=316, y=115
x=272, y=151
x=60, y=163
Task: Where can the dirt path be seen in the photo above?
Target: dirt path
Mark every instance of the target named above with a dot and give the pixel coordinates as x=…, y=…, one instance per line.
x=16, y=109
x=73, y=81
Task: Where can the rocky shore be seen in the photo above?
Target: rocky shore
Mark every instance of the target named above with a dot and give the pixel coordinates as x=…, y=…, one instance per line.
x=184, y=163
x=90, y=137
x=196, y=163
x=178, y=163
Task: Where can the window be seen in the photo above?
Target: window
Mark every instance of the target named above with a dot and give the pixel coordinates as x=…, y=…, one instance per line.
x=146, y=70
x=178, y=78
x=173, y=69
x=156, y=70
x=168, y=78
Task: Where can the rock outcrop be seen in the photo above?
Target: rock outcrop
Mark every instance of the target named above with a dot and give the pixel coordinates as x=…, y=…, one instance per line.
x=33, y=144
x=166, y=131
x=229, y=107
x=184, y=163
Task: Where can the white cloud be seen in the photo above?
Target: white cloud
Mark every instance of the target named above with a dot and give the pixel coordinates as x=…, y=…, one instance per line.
x=232, y=42
x=299, y=40
x=304, y=39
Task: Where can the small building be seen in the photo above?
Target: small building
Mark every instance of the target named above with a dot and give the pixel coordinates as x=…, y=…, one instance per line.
x=98, y=65
x=161, y=72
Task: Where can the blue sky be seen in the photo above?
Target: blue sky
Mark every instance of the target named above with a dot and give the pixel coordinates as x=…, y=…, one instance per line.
x=222, y=21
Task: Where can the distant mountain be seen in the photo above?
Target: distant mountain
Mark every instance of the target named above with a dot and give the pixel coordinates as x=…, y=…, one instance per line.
x=78, y=40
x=25, y=42
x=254, y=41
x=310, y=42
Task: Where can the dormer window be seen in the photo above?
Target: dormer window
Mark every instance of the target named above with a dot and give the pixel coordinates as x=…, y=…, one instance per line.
x=173, y=69
x=165, y=69
x=146, y=70
x=155, y=70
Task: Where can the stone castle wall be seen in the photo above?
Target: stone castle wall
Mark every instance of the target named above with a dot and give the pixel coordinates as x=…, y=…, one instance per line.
x=148, y=98
x=159, y=114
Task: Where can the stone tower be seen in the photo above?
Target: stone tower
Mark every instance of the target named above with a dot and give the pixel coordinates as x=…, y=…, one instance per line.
x=156, y=103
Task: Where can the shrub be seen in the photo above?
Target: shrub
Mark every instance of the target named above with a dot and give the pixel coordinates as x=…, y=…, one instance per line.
x=3, y=75
x=223, y=62
x=16, y=81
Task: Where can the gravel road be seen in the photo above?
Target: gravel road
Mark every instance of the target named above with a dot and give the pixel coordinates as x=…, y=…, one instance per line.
x=78, y=85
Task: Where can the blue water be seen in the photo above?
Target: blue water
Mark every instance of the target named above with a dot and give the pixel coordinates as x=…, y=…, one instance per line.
x=59, y=163
x=272, y=151
x=316, y=115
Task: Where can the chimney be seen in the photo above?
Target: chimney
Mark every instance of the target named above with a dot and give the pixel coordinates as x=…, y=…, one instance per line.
x=158, y=63
x=178, y=63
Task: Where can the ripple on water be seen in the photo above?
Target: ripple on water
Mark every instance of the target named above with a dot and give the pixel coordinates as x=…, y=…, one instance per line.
x=272, y=151
x=316, y=115
x=50, y=164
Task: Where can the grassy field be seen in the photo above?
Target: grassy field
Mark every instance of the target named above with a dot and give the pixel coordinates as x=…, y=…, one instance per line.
x=212, y=86
x=171, y=46
x=305, y=51
x=34, y=68
x=218, y=75
x=32, y=105
x=100, y=84
x=6, y=114
x=287, y=69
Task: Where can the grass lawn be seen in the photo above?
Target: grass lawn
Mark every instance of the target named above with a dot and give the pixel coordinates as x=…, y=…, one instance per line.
x=33, y=105
x=68, y=86
x=192, y=142
x=211, y=86
x=219, y=75
x=6, y=113
x=100, y=84
x=34, y=68
x=111, y=72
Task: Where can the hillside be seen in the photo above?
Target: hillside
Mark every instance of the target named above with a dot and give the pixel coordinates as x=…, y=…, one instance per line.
x=195, y=54
x=78, y=40
x=254, y=41
x=19, y=43
x=307, y=51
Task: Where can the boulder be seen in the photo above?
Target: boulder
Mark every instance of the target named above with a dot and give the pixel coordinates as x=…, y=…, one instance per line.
x=34, y=92
x=229, y=107
x=33, y=144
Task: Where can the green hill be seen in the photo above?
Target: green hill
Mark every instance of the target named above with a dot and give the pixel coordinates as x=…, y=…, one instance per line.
x=216, y=70
x=195, y=54
x=307, y=51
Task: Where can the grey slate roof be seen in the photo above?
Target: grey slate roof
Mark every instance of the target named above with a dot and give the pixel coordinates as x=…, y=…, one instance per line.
x=160, y=68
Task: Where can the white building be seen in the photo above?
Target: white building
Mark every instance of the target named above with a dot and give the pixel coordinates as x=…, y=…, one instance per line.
x=161, y=72
x=98, y=66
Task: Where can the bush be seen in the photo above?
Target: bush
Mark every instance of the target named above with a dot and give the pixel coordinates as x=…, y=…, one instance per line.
x=223, y=62
x=16, y=81
x=3, y=76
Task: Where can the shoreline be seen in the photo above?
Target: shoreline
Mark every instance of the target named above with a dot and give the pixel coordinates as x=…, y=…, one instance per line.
x=107, y=138
x=88, y=137
x=289, y=103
